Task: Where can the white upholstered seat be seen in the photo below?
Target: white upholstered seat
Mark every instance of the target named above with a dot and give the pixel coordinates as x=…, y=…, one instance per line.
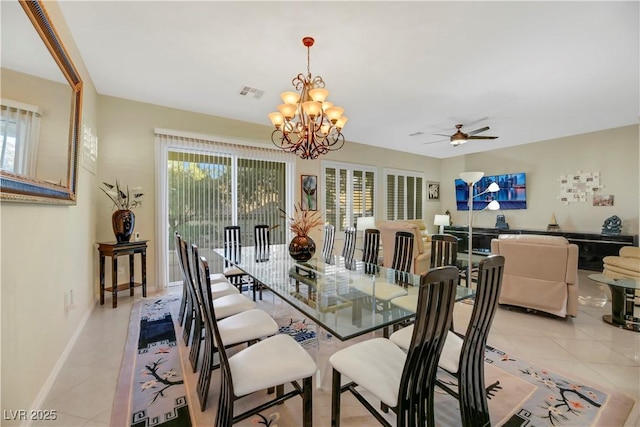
x=374, y=364
x=450, y=357
x=229, y=305
x=246, y=326
x=221, y=289
x=276, y=360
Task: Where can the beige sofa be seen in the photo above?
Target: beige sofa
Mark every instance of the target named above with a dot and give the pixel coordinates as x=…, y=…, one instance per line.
x=421, y=250
x=540, y=273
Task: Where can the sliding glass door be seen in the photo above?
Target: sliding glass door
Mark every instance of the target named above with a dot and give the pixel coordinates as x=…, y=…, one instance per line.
x=209, y=186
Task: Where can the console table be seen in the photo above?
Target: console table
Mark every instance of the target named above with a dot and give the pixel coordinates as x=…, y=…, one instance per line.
x=592, y=247
x=114, y=250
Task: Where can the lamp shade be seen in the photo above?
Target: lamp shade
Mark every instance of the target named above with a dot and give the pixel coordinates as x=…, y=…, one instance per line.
x=365, y=222
x=494, y=205
x=471, y=177
x=441, y=220
x=493, y=187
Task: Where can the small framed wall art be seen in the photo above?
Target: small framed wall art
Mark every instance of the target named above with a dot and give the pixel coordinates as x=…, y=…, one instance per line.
x=433, y=190
x=309, y=193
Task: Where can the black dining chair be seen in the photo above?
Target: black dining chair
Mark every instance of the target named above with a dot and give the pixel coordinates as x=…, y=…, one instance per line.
x=349, y=248
x=327, y=243
x=371, y=246
x=267, y=364
x=444, y=251
x=227, y=300
x=246, y=327
x=232, y=245
x=403, y=251
x=262, y=245
x=463, y=355
x=403, y=382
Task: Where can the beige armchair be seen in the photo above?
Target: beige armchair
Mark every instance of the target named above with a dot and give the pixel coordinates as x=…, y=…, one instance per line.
x=540, y=273
x=421, y=252
x=626, y=264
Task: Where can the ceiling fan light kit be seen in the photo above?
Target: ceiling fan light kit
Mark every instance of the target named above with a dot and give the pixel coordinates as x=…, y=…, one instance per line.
x=460, y=137
x=307, y=124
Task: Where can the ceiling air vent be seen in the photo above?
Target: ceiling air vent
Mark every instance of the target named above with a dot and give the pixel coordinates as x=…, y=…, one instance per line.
x=251, y=92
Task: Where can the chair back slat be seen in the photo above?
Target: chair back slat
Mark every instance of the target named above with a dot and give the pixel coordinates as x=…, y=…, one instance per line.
x=232, y=244
x=327, y=244
x=444, y=250
x=434, y=316
x=473, y=399
x=262, y=242
x=185, y=297
x=349, y=248
x=371, y=249
x=403, y=251
x=224, y=416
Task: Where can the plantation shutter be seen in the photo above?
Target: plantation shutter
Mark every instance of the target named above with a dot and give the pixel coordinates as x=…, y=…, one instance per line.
x=349, y=193
x=404, y=195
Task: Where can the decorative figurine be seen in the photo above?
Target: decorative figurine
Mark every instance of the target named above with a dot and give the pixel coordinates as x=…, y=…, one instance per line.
x=449, y=214
x=553, y=224
x=612, y=225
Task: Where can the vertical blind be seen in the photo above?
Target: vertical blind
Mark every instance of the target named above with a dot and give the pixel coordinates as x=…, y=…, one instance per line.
x=349, y=193
x=20, y=131
x=404, y=194
x=210, y=185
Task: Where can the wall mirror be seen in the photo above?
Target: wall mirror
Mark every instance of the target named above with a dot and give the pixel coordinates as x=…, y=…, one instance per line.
x=41, y=104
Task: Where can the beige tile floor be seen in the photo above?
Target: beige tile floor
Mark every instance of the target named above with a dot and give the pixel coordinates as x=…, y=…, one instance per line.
x=584, y=346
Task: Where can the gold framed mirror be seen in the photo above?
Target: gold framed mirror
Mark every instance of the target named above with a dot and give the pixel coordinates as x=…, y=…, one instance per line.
x=41, y=108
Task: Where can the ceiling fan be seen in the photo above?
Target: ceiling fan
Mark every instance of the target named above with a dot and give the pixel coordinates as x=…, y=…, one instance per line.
x=460, y=137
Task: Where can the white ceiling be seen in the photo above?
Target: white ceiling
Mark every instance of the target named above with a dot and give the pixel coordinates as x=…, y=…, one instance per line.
x=530, y=70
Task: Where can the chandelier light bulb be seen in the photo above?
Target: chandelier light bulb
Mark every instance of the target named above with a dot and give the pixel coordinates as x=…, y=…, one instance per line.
x=277, y=119
x=319, y=95
x=334, y=113
x=290, y=97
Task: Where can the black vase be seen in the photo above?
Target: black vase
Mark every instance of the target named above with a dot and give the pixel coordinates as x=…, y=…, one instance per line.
x=123, y=222
x=302, y=248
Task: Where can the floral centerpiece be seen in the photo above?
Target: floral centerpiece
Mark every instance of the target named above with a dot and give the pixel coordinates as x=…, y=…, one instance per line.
x=302, y=247
x=123, y=220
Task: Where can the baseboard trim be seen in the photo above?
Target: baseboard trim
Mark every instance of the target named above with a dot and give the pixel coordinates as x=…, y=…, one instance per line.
x=48, y=384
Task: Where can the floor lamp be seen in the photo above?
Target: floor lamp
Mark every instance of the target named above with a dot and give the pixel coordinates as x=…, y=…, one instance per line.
x=471, y=178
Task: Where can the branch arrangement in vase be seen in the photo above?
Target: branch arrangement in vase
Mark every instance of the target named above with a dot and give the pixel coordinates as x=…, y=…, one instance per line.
x=302, y=221
x=122, y=198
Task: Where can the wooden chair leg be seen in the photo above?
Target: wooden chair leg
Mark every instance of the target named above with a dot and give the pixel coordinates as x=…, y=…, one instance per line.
x=307, y=402
x=335, y=399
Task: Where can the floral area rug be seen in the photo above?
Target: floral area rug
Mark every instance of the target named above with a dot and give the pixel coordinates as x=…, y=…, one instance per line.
x=151, y=366
x=521, y=394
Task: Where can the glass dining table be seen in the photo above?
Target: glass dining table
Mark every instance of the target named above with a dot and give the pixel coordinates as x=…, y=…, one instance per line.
x=346, y=299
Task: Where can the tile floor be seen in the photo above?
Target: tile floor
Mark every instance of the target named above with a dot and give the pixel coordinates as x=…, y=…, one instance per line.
x=584, y=346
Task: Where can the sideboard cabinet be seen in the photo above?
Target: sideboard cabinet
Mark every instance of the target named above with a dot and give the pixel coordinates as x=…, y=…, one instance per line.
x=592, y=247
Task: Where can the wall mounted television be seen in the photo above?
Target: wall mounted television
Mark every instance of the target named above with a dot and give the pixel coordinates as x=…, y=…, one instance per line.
x=512, y=194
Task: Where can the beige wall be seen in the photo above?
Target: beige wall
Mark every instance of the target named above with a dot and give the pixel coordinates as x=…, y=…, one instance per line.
x=46, y=250
x=613, y=153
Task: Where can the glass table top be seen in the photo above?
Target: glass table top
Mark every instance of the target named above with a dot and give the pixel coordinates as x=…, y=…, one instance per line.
x=347, y=300
x=625, y=282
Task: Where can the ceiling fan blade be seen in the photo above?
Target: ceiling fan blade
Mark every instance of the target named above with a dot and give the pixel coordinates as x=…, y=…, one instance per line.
x=483, y=137
x=433, y=142
x=440, y=134
x=473, y=132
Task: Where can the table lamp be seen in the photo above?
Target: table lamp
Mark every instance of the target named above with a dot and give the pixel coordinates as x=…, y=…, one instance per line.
x=365, y=222
x=441, y=220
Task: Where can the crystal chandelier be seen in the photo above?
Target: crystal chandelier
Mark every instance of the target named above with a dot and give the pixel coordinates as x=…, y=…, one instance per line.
x=306, y=124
